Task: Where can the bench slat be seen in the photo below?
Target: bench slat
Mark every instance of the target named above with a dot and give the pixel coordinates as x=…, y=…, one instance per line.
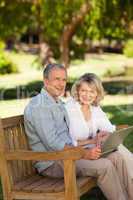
x=45, y=184
x=27, y=181
x=12, y=121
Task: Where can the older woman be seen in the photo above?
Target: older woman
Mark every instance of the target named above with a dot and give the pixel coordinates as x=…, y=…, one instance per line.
x=87, y=120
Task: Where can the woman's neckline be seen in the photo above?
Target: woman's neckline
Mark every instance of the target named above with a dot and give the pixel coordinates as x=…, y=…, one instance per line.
x=80, y=108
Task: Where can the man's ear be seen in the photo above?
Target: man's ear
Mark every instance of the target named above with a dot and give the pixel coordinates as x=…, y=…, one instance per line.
x=45, y=81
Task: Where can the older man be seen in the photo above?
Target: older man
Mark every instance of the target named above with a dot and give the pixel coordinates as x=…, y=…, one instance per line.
x=47, y=127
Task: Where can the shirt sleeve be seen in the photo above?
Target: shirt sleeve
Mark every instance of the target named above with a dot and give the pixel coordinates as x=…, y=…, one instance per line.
x=38, y=122
x=104, y=123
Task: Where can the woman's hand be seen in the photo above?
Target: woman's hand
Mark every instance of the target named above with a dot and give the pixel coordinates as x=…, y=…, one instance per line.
x=102, y=136
x=98, y=139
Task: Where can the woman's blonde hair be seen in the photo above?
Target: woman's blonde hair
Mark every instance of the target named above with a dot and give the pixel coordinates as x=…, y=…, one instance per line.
x=90, y=79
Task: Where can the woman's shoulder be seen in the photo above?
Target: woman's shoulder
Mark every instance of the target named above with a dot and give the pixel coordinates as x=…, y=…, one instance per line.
x=97, y=110
x=70, y=101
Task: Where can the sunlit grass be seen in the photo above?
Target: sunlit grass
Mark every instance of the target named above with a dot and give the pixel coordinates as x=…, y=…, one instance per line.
x=27, y=72
x=14, y=107
x=98, y=64
x=95, y=63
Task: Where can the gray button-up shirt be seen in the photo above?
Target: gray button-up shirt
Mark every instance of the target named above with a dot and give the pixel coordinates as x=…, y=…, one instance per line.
x=46, y=123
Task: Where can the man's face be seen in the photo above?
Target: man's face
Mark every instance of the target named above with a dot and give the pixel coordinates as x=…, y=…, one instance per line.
x=56, y=82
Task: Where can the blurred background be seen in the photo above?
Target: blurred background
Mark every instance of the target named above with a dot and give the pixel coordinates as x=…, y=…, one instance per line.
x=84, y=35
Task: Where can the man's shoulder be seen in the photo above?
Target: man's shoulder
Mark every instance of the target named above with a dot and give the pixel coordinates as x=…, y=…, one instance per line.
x=39, y=100
x=36, y=106
x=33, y=103
x=34, y=100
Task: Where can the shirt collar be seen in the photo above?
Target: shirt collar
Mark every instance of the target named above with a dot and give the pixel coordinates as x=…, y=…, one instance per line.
x=46, y=95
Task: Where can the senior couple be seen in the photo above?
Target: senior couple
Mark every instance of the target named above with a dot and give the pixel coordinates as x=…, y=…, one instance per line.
x=52, y=125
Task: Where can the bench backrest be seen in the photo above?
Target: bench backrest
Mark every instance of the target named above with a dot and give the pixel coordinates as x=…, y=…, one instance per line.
x=13, y=137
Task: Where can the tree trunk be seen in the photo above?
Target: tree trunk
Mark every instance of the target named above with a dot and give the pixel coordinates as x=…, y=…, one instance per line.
x=69, y=31
x=45, y=52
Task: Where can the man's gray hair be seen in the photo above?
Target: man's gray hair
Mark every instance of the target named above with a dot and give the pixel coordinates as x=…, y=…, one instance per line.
x=50, y=67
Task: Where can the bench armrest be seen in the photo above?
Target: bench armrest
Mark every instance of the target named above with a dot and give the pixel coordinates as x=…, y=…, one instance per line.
x=74, y=153
x=118, y=127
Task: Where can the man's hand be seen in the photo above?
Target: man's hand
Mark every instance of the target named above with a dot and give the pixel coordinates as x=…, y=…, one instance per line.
x=92, y=154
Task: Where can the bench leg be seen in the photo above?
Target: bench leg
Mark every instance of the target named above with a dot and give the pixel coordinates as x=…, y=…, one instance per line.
x=71, y=190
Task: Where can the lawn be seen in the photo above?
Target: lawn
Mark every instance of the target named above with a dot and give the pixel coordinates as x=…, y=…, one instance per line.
x=99, y=64
x=119, y=108
x=28, y=72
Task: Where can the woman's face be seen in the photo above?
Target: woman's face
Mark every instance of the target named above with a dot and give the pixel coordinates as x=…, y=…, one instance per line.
x=87, y=93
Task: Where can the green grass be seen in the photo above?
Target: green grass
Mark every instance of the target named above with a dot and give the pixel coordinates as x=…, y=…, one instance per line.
x=118, y=107
x=15, y=107
x=12, y=107
x=27, y=72
x=99, y=64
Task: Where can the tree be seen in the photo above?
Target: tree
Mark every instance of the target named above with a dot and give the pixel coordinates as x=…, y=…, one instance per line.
x=62, y=23
x=63, y=19
x=70, y=29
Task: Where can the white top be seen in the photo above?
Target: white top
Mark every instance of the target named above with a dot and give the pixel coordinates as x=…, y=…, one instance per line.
x=80, y=129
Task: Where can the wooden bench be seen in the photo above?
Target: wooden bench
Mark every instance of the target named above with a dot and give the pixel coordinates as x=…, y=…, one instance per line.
x=19, y=178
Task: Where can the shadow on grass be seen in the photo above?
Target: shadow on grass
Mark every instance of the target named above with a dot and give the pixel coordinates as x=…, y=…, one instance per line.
x=1, y=194
x=34, y=87
x=21, y=91
x=94, y=194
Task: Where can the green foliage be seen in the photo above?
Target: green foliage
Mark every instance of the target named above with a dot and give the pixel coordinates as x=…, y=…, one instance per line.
x=128, y=49
x=15, y=18
x=58, y=14
x=49, y=17
x=2, y=45
x=6, y=65
x=101, y=23
x=1, y=193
